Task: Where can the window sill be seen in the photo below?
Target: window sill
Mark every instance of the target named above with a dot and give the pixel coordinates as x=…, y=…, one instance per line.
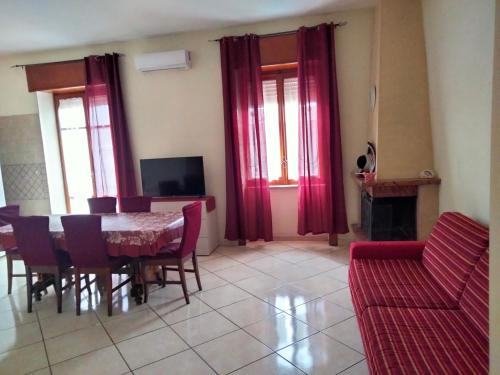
x=282, y=186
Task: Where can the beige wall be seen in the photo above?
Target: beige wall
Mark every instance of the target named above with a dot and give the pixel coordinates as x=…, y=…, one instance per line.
x=495, y=209
x=459, y=43
x=176, y=113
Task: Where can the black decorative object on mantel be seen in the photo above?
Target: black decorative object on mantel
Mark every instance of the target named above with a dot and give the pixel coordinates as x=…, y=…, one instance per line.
x=367, y=163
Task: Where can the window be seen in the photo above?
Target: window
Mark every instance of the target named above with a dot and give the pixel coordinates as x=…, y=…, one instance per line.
x=281, y=121
x=74, y=146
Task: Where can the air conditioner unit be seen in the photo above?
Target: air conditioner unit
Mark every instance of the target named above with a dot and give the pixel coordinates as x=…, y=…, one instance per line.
x=179, y=59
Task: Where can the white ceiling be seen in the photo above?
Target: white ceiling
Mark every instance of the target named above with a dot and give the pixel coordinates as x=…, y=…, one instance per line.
x=27, y=25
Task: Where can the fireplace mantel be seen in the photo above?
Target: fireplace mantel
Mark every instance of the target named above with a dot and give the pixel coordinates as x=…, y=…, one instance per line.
x=398, y=187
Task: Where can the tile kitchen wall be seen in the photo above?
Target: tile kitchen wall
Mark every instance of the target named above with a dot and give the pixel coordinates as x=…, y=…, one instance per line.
x=23, y=164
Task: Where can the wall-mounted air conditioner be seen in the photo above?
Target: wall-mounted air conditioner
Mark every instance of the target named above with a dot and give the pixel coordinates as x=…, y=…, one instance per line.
x=179, y=59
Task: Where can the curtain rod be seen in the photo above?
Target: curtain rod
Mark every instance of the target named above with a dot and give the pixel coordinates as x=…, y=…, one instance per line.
x=56, y=62
x=339, y=24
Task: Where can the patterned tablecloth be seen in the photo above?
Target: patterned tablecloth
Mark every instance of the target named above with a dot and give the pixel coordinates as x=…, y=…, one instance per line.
x=130, y=234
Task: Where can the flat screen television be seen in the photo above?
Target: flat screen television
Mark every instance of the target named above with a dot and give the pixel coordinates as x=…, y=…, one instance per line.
x=170, y=177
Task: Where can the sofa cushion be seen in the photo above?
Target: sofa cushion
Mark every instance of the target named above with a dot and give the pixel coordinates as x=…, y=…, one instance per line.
x=453, y=249
x=474, y=301
x=397, y=283
x=423, y=341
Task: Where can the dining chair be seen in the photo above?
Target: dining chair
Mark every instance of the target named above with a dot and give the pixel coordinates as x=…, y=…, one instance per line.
x=135, y=204
x=7, y=213
x=89, y=255
x=176, y=254
x=102, y=205
x=39, y=254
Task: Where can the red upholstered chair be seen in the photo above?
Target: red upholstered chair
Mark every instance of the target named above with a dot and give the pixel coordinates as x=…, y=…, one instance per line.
x=89, y=255
x=36, y=247
x=176, y=254
x=102, y=205
x=135, y=204
x=7, y=213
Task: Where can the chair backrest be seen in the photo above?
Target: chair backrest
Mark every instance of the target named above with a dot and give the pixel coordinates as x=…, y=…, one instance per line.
x=454, y=247
x=191, y=232
x=84, y=240
x=135, y=204
x=102, y=205
x=474, y=301
x=7, y=213
x=34, y=241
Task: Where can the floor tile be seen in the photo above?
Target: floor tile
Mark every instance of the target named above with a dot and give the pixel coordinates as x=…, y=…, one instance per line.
x=247, y=255
x=360, y=368
x=44, y=371
x=73, y=344
x=203, y=328
x=286, y=297
x=248, y=311
x=270, y=365
x=240, y=348
x=208, y=281
x=67, y=322
x=24, y=360
x=268, y=263
x=319, y=285
x=10, y=318
x=185, y=363
x=347, y=332
x=295, y=256
x=321, y=264
x=292, y=272
x=219, y=264
x=176, y=311
x=151, y=347
x=341, y=273
x=105, y=361
x=132, y=325
x=237, y=273
x=223, y=296
x=320, y=313
x=121, y=307
x=279, y=331
x=17, y=337
x=320, y=354
x=259, y=284
x=342, y=298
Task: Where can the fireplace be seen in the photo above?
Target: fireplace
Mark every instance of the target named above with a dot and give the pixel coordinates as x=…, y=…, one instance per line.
x=389, y=208
x=388, y=219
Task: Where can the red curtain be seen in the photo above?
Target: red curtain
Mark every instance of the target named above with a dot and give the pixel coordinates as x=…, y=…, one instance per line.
x=248, y=206
x=321, y=189
x=111, y=153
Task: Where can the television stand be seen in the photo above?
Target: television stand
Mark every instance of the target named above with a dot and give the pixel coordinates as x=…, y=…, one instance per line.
x=209, y=236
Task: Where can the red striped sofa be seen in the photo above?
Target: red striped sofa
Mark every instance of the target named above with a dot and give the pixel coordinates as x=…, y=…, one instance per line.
x=422, y=306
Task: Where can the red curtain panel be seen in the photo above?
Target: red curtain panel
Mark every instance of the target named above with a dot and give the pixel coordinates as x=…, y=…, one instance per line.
x=111, y=153
x=248, y=206
x=321, y=190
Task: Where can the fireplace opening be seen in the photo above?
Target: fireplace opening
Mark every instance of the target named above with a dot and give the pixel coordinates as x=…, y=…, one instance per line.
x=388, y=218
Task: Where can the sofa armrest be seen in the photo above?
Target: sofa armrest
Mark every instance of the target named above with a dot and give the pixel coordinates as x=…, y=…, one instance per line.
x=387, y=250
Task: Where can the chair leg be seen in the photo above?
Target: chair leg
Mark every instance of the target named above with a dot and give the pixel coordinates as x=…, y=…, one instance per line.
x=9, y=273
x=144, y=284
x=29, y=288
x=109, y=292
x=58, y=290
x=164, y=275
x=183, y=280
x=78, y=290
x=196, y=271
x=87, y=281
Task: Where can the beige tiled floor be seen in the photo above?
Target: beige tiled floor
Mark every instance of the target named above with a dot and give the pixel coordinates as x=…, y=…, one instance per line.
x=268, y=308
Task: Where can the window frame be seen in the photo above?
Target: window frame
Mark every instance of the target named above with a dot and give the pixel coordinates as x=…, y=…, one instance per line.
x=70, y=94
x=279, y=73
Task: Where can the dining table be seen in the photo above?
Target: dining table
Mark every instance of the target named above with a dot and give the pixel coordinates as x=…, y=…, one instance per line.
x=134, y=235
